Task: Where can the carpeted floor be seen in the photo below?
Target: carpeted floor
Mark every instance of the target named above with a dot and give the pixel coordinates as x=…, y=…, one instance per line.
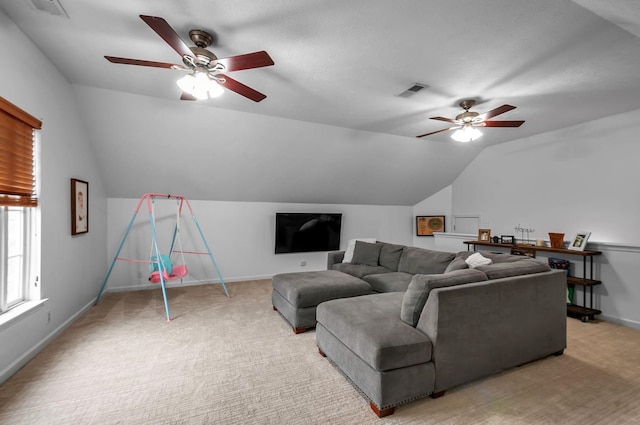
x=236, y=361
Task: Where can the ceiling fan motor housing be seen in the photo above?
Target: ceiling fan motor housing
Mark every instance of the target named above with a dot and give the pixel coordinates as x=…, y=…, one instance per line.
x=467, y=116
x=203, y=56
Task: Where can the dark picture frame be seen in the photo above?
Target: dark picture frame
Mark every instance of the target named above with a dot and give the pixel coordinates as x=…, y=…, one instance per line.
x=507, y=239
x=427, y=225
x=79, y=207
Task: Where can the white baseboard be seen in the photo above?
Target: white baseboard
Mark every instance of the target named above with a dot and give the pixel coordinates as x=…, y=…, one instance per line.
x=146, y=286
x=624, y=322
x=30, y=354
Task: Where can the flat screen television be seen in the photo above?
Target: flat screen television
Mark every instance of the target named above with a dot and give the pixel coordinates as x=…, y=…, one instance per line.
x=307, y=232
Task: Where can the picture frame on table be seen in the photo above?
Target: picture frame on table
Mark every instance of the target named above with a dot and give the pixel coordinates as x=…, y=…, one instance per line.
x=79, y=207
x=506, y=239
x=484, y=235
x=427, y=225
x=579, y=241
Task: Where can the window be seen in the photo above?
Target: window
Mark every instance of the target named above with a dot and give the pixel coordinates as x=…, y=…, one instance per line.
x=19, y=253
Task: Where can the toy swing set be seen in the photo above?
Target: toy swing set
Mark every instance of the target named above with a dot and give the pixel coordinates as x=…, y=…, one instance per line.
x=161, y=268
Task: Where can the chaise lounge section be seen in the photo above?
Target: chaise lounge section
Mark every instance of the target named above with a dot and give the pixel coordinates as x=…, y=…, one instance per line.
x=445, y=330
x=296, y=295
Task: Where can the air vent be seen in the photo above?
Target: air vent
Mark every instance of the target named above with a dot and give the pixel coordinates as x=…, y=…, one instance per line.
x=415, y=88
x=51, y=7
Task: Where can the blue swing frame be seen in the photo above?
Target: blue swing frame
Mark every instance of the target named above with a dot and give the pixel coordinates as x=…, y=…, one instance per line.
x=149, y=198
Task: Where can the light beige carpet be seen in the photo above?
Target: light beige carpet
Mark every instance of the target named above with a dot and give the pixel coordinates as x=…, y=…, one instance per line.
x=236, y=361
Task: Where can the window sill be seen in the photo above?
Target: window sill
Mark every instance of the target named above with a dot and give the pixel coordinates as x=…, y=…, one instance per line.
x=17, y=313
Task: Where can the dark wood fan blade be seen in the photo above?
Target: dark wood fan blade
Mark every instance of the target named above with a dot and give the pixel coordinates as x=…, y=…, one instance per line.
x=443, y=119
x=241, y=89
x=439, y=131
x=503, y=123
x=187, y=96
x=168, y=34
x=140, y=62
x=494, y=112
x=248, y=61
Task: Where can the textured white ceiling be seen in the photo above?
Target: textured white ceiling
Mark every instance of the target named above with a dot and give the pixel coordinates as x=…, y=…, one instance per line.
x=332, y=128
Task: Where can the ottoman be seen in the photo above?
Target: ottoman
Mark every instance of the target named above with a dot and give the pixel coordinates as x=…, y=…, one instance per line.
x=296, y=295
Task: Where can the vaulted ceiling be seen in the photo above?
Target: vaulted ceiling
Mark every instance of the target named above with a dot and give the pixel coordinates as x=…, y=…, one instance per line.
x=333, y=128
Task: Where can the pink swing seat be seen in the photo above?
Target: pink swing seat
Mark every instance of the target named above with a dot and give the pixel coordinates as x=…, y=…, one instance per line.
x=177, y=272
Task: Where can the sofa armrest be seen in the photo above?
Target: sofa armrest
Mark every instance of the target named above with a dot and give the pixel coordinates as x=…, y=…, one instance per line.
x=334, y=257
x=478, y=329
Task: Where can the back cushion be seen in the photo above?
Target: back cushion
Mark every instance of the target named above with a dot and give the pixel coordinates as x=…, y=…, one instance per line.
x=496, y=257
x=348, y=253
x=366, y=253
x=390, y=255
x=424, y=261
x=418, y=291
x=514, y=268
x=457, y=264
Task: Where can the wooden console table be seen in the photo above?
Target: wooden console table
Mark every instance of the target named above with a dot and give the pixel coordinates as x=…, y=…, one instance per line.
x=583, y=312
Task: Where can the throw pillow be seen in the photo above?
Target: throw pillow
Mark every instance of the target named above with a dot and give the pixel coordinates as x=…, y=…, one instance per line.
x=348, y=254
x=477, y=260
x=417, y=293
x=366, y=253
x=457, y=264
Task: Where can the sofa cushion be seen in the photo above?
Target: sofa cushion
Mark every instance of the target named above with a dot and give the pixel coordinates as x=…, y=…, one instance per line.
x=366, y=253
x=514, y=268
x=308, y=289
x=389, y=282
x=417, y=293
x=348, y=253
x=390, y=255
x=370, y=327
x=359, y=270
x=456, y=264
x=424, y=261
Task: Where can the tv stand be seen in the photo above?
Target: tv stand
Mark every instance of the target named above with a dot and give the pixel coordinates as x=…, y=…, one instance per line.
x=582, y=312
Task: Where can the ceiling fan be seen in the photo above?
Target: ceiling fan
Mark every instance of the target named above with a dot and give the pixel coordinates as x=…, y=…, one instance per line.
x=467, y=122
x=207, y=73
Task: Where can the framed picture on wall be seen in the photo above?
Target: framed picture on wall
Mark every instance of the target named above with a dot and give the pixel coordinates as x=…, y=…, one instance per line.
x=79, y=207
x=426, y=225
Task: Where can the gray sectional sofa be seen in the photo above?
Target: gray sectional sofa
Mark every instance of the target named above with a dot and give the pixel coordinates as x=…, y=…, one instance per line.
x=427, y=322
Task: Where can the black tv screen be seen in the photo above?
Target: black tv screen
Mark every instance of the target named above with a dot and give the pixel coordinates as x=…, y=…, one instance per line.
x=307, y=232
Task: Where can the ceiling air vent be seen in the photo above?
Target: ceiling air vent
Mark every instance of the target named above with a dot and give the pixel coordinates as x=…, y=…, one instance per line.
x=415, y=88
x=51, y=7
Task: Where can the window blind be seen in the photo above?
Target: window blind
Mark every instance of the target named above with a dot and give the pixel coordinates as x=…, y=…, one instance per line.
x=17, y=171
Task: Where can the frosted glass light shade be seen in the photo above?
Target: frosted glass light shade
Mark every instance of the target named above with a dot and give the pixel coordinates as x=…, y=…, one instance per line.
x=200, y=86
x=186, y=83
x=215, y=89
x=466, y=134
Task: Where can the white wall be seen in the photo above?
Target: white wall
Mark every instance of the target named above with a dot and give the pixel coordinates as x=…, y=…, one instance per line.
x=437, y=204
x=71, y=267
x=241, y=236
x=579, y=178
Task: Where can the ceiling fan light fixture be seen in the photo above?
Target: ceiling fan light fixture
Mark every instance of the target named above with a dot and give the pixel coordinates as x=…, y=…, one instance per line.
x=215, y=90
x=186, y=83
x=199, y=85
x=466, y=134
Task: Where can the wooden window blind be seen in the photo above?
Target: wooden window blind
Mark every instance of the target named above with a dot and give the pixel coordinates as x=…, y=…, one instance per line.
x=17, y=171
